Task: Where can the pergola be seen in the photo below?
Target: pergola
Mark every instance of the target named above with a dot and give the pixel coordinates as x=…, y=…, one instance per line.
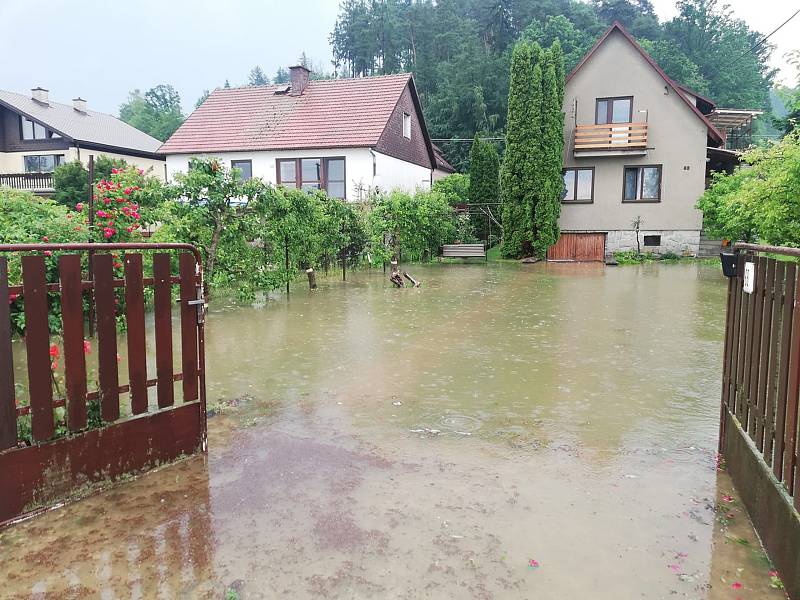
x=737, y=125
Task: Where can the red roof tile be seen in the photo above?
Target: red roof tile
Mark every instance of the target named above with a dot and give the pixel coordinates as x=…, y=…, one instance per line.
x=335, y=113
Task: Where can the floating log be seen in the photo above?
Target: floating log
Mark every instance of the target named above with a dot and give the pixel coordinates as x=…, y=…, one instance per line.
x=411, y=279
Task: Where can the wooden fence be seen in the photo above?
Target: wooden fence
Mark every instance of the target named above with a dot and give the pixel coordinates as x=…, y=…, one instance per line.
x=760, y=392
x=150, y=434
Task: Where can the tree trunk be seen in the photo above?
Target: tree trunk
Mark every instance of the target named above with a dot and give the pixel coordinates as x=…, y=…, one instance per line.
x=212, y=251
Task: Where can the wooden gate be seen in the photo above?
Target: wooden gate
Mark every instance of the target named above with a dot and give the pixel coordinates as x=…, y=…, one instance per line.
x=578, y=247
x=760, y=393
x=60, y=437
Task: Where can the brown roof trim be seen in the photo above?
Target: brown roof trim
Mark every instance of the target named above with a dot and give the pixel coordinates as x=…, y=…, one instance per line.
x=689, y=90
x=713, y=132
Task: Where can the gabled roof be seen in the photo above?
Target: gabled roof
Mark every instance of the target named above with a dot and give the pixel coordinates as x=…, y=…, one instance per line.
x=334, y=113
x=713, y=132
x=441, y=161
x=89, y=127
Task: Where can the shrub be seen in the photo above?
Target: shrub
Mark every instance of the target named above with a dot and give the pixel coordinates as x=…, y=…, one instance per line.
x=455, y=188
x=71, y=182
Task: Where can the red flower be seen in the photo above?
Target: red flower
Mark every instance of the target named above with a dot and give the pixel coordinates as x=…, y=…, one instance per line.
x=87, y=347
x=117, y=265
x=47, y=253
x=79, y=206
x=12, y=298
x=114, y=171
x=53, y=351
x=108, y=232
x=45, y=238
x=736, y=585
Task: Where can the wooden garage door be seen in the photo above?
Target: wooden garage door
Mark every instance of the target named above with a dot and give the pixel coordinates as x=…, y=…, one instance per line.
x=578, y=247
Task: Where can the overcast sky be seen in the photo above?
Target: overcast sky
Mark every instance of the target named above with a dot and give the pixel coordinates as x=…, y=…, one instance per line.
x=101, y=50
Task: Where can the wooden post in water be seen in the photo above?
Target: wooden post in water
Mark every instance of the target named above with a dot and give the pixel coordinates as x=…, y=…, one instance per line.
x=286, y=252
x=312, y=278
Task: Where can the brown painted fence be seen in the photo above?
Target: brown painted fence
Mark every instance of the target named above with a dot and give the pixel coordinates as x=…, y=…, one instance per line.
x=53, y=462
x=760, y=392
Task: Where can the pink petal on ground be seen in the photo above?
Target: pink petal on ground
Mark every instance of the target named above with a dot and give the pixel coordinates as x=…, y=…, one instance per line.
x=736, y=585
x=533, y=563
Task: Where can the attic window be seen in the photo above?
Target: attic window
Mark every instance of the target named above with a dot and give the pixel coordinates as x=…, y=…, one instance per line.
x=33, y=131
x=406, y=125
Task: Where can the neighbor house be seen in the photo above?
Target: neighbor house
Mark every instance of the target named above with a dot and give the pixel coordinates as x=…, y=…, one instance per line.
x=349, y=137
x=636, y=146
x=37, y=135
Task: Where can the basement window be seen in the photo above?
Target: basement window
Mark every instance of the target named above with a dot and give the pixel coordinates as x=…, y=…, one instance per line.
x=652, y=240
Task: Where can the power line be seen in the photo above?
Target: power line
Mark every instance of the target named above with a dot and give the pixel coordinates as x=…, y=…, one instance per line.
x=485, y=139
x=757, y=45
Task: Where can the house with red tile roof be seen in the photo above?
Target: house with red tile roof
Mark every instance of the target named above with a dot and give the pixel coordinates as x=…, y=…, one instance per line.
x=635, y=151
x=349, y=137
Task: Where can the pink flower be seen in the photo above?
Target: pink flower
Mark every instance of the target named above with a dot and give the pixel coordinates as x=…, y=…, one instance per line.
x=128, y=191
x=533, y=563
x=87, y=347
x=114, y=171
x=12, y=298
x=736, y=585
x=102, y=213
x=45, y=238
x=47, y=253
x=79, y=206
x=129, y=229
x=727, y=498
x=773, y=573
x=108, y=232
x=53, y=351
x=141, y=171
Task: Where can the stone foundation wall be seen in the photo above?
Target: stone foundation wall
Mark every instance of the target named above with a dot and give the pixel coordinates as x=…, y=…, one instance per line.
x=681, y=242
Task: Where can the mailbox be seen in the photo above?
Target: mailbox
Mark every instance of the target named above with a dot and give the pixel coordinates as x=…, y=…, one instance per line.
x=729, y=260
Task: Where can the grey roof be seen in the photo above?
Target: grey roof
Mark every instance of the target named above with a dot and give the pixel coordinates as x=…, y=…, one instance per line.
x=90, y=127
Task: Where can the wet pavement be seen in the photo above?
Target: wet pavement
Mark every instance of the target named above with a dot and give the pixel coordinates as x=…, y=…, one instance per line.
x=505, y=431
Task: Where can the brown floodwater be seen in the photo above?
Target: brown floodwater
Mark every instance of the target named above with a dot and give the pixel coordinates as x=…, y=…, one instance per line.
x=504, y=431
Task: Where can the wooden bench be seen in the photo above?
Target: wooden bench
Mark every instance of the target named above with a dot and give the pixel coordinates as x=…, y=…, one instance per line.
x=464, y=251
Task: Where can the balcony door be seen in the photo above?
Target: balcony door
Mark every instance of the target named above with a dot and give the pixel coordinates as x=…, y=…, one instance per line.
x=613, y=110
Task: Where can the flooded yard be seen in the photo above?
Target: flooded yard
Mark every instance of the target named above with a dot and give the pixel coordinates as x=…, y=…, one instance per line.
x=504, y=431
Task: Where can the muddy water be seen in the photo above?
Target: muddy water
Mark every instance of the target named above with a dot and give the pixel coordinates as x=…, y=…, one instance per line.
x=504, y=431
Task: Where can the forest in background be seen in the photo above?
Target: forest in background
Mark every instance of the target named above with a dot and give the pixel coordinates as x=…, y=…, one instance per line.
x=460, y=52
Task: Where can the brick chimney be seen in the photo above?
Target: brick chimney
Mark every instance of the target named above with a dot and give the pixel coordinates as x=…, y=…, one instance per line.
x=299, y=77
x=41, y=95
x=79, y=104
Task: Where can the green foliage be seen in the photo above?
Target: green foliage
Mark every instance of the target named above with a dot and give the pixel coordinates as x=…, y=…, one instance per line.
x=281, y=76
x=244, y=228
x=484, y=173
x=416, y=226
x=29, y=219
x=637, y=16
x=759, y=202
x=105, y=165
x=729, y=55
x=531, y=179
x=257, y=77
x=454, y=187
x=71, y=183
x=157, y=112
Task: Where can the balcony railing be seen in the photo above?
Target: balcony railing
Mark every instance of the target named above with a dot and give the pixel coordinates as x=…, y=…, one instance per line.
x=33, y=182
x=611, y=138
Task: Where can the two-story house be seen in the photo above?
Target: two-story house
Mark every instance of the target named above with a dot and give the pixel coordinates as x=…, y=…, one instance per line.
x=635, y=150
x=37, y=135
x=346, y=136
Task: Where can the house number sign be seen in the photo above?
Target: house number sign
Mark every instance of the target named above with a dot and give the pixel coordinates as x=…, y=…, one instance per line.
x=748, y=281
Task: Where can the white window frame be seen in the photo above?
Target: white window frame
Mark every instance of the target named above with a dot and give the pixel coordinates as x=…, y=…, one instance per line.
x=407, y=125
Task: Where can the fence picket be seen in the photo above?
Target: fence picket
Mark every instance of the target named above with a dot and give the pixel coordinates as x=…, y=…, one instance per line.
x=768, y=429
x=137, y=342
x=750, y=413
x=764, y=347
x=783, y=373
x=163, y=323
x=105, y=303
x=186, y=264
x=69, y=267
x=793, y=390
x=37, y=346
x=8, y=410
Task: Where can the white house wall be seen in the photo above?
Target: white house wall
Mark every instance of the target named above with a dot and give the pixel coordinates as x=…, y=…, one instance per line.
x=14, y=162
x=391, y=173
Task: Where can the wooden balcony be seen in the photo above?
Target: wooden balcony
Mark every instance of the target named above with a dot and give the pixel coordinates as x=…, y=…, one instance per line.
x=611, y=139
x=38, y=183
